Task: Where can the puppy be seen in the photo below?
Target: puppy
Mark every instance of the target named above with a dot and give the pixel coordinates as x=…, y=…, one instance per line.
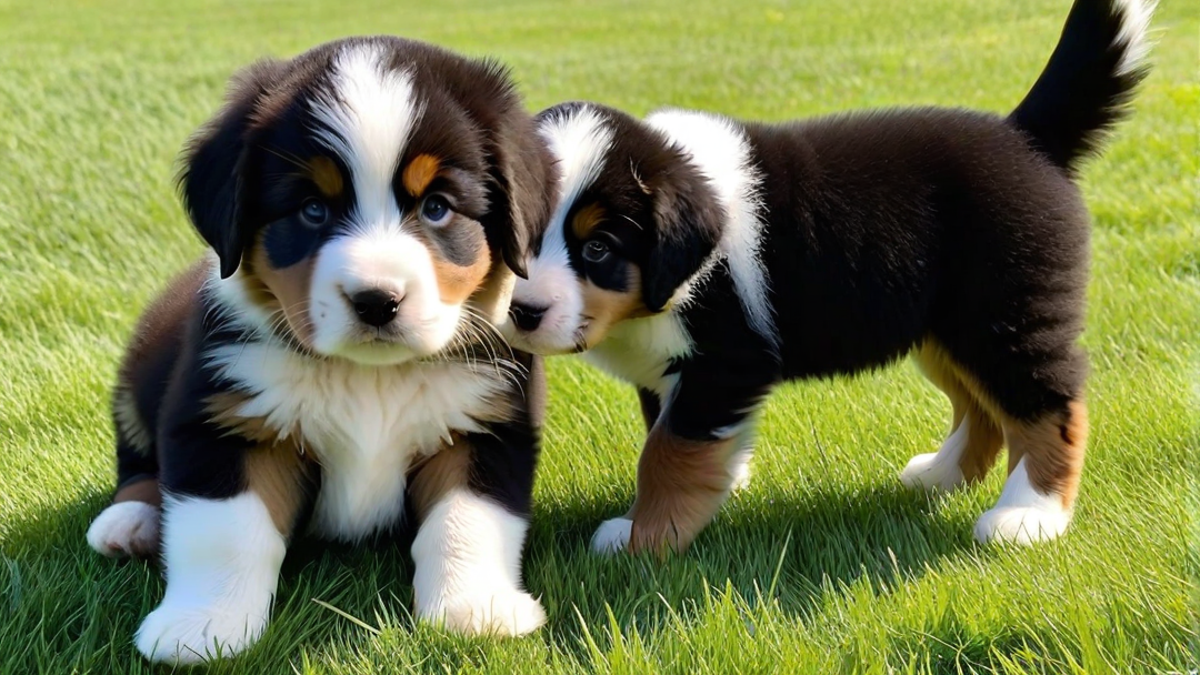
x=335, y=357
x=704, y=260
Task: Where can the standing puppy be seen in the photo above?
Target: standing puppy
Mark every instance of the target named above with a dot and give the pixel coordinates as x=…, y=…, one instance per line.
x=336, y=358
x=705, y=259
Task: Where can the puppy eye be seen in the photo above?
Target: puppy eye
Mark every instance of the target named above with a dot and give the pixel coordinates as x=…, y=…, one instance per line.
x=314, y=213
x=435, y=210
x=596, y=251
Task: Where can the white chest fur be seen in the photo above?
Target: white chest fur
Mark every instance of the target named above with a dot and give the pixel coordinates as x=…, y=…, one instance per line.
x=639, y=350
x=365, y=425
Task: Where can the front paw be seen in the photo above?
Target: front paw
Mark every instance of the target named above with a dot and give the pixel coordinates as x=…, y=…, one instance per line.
x=1021, y=525
x=189, y=634
x=504, y=614
x=932, y=471
x=622, y=534
x=612, y=536
x=125, y=529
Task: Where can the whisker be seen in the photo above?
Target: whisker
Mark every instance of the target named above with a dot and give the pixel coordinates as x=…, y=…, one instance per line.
x=286, y=156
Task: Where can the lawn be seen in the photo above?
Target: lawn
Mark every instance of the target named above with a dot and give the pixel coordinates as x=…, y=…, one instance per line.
x=825, y=564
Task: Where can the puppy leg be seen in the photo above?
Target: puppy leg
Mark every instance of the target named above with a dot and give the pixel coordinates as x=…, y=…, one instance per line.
x=468, y=550
x=739, y=462
x=613, y=534
x=681, y=486
x=696, y=453
x=222, y=560
x=129, y=525
x=970, y=450
x=1045, y=462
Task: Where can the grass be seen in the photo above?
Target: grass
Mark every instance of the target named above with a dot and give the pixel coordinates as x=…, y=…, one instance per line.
x=824, y=565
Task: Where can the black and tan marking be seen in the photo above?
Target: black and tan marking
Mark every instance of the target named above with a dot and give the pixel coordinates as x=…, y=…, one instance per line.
x=954, y=236
x=251, y=178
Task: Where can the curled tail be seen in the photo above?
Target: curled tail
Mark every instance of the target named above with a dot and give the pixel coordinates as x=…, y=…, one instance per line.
x=1090, y=80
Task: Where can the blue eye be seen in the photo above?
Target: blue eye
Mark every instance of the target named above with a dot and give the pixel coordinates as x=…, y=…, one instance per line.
x=314, y=213
x=435, y=210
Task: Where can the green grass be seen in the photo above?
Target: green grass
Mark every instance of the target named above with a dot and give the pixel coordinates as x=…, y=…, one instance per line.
x=824, y=565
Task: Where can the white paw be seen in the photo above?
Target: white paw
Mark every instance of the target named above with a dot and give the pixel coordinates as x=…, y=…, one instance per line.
x=505, y=614
x=739, y=471
x=190, y=634
x=928, y=472
x=612, y=536
x=1023, y=515
x=125, y=529
x=1021, y=525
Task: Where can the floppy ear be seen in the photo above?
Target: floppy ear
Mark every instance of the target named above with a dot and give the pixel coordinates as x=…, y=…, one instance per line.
x=688, y=223
x=520, y=198
x=520, y=166
x=212, y=175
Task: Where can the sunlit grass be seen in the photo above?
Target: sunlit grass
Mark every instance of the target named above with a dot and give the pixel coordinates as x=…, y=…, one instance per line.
x=823, y=565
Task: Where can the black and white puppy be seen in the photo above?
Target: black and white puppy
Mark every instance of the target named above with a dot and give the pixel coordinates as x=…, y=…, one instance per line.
x=705, y=259
x=335, y=359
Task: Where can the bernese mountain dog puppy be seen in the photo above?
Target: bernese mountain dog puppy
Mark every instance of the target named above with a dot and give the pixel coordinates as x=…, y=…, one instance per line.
x=705, y=260
x=334, y=364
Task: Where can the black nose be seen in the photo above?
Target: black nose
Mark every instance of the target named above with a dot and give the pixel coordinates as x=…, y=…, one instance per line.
x=526, y=317
x=375, y=307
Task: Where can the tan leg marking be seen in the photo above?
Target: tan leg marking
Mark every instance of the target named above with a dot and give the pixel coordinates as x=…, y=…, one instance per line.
x=145, y=490
x=438, y=475
x=276, y=474
x=681, y=486
x=984, y=438
x=1055, y=444
x=1053, y=449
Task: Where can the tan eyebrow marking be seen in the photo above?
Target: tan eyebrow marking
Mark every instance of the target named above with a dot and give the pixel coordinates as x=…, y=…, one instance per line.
x=419, y=173
x=325, y=174
x=587, y=219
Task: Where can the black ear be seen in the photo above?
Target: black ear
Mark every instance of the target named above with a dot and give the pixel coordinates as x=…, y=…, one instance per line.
x=520, y=199
x=211, y=181
x=688, y=223
x=521, y=168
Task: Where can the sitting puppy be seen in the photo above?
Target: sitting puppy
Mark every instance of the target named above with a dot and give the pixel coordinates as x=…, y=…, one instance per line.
x=335, y=358
x=705, y=260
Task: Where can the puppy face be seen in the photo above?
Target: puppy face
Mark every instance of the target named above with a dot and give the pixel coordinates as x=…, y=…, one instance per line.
x=632, y=222
x=369, y=197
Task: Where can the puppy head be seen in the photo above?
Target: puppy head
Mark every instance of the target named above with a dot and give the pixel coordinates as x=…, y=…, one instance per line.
x=633, y=222
x=369, y=198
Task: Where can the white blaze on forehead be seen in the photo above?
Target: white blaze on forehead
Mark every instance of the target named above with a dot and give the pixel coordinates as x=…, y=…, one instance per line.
x=367, y=121
x=579, y=141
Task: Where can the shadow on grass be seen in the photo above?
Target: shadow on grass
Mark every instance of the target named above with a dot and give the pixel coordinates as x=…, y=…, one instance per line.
x=74, y=604
x=64, y=608
x=776, y=547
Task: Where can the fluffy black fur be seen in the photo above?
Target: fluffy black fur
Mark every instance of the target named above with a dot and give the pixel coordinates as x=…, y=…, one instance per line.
x=469, y=427
x=949, y=232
